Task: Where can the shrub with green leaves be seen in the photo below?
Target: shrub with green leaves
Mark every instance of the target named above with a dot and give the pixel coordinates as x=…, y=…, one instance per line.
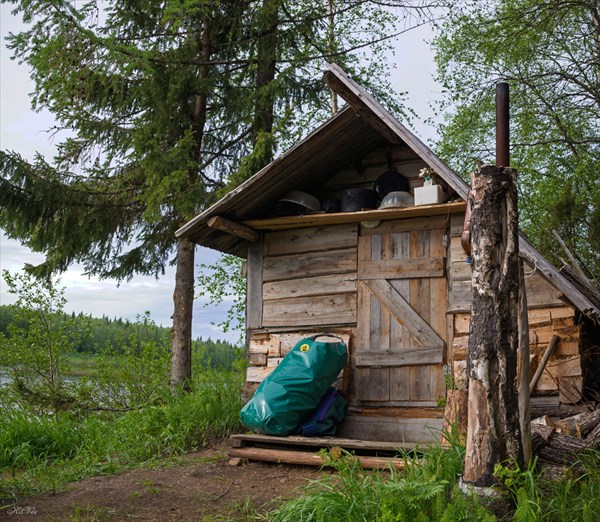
x=36, y=345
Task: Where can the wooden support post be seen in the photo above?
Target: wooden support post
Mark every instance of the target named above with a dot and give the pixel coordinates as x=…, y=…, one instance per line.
x=523, y=368
x=494, y=431
x=545, y=358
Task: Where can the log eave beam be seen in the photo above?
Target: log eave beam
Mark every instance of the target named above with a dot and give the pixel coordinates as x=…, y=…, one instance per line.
x=233, y=227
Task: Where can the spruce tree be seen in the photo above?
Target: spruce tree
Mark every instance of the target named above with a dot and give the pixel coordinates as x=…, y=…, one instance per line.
x=161, y=102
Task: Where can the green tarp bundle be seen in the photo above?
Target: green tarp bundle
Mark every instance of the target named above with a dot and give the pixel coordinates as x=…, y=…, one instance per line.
x=295, y=387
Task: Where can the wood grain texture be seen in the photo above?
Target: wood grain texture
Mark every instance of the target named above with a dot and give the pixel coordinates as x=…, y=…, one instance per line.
x=312, y=239
x=308, y=265
x=404, y=313
x=310, y=286
x=254, y=282
x=406, y=269
x=311, y=311
x=414, y=357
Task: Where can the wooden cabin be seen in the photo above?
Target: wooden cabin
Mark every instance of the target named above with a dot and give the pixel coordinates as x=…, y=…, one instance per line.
x=394, y=283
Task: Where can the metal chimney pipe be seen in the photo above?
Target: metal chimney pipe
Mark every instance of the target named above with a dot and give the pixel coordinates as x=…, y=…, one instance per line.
x=502, y=127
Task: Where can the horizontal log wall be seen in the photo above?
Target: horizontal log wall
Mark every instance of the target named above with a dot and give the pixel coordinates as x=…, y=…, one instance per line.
x=547, y=315
x=309, y=277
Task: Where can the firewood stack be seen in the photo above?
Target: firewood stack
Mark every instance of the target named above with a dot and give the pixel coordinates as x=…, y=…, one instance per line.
x=561, y=441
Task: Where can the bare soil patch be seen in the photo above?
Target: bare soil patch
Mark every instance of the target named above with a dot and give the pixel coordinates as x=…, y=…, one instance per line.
x=205, y=487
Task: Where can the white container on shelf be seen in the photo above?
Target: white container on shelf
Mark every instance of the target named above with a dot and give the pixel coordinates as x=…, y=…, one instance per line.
x=430, y=195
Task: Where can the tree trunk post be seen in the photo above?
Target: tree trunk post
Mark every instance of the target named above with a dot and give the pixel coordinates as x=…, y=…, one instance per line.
x=181, y=333
x=523, y=368
x=493, y=432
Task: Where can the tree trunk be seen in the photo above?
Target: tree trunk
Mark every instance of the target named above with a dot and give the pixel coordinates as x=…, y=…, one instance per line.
x=265, y=97
x=183, y=296
x=494, y=432
x=181, y=334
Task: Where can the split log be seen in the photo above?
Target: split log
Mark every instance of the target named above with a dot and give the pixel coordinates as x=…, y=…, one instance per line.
x=593, y=438
x=560, y=411
x=552, y=446
x=523, y=368
x=579, y=425
x=494, y=431
x=455, y=417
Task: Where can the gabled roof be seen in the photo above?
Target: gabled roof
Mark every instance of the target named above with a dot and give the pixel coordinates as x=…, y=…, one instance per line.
x=340, y=142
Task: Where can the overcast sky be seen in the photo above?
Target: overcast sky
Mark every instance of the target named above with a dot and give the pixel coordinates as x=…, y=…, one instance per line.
x=24, y=131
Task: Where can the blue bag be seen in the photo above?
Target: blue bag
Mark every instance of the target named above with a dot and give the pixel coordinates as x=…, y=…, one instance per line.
x=326, y=417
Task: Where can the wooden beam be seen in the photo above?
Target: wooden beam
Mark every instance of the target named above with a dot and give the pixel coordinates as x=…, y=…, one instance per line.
x=232, y=227
x=338, y=218
x=523, y=368
x=254, y=286
x=307, y=458
x=554, y=340
x=389, y=297
x=413, y=357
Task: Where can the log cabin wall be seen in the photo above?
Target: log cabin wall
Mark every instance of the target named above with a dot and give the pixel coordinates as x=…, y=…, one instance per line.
x=547, y=314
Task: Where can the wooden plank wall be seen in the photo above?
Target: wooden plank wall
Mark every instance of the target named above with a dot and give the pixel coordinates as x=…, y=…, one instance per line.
x=547, y=314
x=307, y=286
x=309, y=276
x=420, y=425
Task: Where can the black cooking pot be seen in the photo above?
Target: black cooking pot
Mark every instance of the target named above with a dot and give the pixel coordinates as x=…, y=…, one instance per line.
x=390, y=181
x=331, y=205
x=355, y=199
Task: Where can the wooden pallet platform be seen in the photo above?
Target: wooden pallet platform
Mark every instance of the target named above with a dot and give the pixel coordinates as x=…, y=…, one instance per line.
x=303, y=450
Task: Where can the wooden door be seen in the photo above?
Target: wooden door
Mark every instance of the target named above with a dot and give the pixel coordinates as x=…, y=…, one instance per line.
x=401, y=314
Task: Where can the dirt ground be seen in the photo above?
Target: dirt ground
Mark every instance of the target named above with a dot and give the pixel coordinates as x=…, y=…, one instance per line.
x=203, y=488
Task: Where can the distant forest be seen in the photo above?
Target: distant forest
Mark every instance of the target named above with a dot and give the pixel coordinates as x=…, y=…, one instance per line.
x=106, y=334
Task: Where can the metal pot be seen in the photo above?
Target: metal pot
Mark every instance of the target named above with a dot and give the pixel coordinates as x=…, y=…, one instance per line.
x=390, y=181
x=302, y=199
x=331, y=205
x=355, y=199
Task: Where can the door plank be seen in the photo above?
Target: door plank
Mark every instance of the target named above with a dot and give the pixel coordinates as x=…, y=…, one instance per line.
x=438, y=286
x=363, y=318
x=416, y=357
x=400, y=384
x=403, y=312
x=379, y=384
x=402, y=269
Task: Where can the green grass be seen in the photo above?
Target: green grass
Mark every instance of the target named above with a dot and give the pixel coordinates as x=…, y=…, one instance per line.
x=44, y=453
x=427, y=490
